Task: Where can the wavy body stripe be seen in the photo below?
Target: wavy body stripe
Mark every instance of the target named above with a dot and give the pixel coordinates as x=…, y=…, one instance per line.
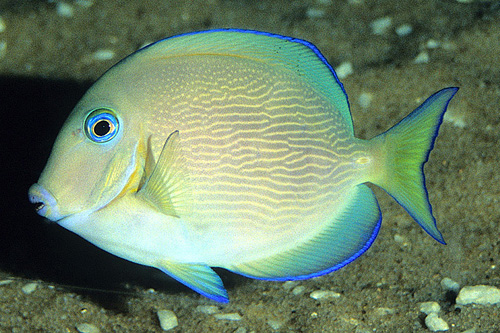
x=234, y=149
x=267, y=155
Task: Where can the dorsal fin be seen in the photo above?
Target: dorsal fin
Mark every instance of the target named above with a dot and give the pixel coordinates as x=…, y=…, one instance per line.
x=167, y=188
x=296, y=55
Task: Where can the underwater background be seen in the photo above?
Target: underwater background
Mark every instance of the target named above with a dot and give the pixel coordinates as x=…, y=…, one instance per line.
x=390, y=56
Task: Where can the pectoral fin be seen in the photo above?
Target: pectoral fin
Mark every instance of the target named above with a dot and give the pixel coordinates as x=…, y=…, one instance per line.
x=167, y=188
x=198, y=277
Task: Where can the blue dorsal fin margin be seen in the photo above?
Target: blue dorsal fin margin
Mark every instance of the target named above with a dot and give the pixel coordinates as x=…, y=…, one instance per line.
x=327, y=83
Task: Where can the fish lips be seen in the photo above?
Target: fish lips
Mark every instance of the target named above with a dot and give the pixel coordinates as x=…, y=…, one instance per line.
x=45, y=203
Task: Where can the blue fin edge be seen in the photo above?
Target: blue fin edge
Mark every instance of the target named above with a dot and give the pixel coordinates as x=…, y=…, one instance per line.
x=333, y=268
x=256, y=32
x=221, y=294
x=421, y=108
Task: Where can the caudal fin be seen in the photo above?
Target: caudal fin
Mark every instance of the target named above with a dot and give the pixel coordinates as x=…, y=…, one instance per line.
x=407, y=146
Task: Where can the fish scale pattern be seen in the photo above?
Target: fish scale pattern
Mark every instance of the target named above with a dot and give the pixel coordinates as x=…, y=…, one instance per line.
x=265, y=153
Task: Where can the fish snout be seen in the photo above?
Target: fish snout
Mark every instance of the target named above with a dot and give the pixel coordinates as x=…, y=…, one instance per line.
x=44, y=201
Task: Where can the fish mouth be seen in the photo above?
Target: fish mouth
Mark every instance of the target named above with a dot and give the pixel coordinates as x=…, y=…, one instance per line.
x=45, y=203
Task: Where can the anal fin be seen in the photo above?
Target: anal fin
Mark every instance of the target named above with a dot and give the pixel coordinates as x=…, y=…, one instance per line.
x=348, y=235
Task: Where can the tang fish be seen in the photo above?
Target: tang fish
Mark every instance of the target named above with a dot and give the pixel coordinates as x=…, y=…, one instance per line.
x=232, y=149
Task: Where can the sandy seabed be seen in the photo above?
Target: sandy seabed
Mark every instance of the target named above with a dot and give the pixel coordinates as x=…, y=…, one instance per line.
x=50, y=51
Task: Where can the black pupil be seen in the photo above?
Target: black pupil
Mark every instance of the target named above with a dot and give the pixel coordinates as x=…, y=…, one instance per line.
x=102, y=127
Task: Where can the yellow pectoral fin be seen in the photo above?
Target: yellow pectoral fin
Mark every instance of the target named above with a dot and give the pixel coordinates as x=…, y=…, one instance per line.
x=168, y=187
x=149, y=163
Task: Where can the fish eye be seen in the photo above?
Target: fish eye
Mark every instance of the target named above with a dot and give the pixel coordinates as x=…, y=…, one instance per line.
x=101, y=125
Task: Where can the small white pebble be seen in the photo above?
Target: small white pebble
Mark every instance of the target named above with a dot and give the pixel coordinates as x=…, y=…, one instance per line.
x=314, y=13
x=275, y=324
x=448, y=46
x=321, y=294
x=432, y=44
x=64, y=9
x=4, y=282
x=399, y=238
x=168, y=319
x=455, y=118
x=421, y=58
x=381, y=26
x=365, y=100
x=380, y=312
x=298, y=290
x=344, y=69
x=450, y=285
x=29, y=287
x=430, y=307
x=87, y=328
x=208, y=309
x=84, y=3
x=404, y=30
x=435, y=323
x=102, y=55
x=228, y=316
x=290, y=284
x=480, y=294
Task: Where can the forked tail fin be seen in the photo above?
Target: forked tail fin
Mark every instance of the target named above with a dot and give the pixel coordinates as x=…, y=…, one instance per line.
x=406, y=147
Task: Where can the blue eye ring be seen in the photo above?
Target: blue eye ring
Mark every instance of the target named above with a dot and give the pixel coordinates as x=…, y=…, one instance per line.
x=101, y=125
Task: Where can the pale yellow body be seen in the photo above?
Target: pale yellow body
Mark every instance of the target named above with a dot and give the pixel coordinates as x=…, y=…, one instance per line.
x=232, y=149
x=266, y=159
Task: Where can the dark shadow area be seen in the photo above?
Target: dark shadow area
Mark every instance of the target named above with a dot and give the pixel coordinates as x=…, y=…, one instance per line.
x=33, y=111
x=20, y=5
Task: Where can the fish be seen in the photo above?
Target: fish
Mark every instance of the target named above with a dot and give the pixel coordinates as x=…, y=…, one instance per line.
x=234, y=149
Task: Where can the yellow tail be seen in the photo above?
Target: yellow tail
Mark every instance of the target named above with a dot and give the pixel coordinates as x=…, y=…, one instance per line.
x=407, y=146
